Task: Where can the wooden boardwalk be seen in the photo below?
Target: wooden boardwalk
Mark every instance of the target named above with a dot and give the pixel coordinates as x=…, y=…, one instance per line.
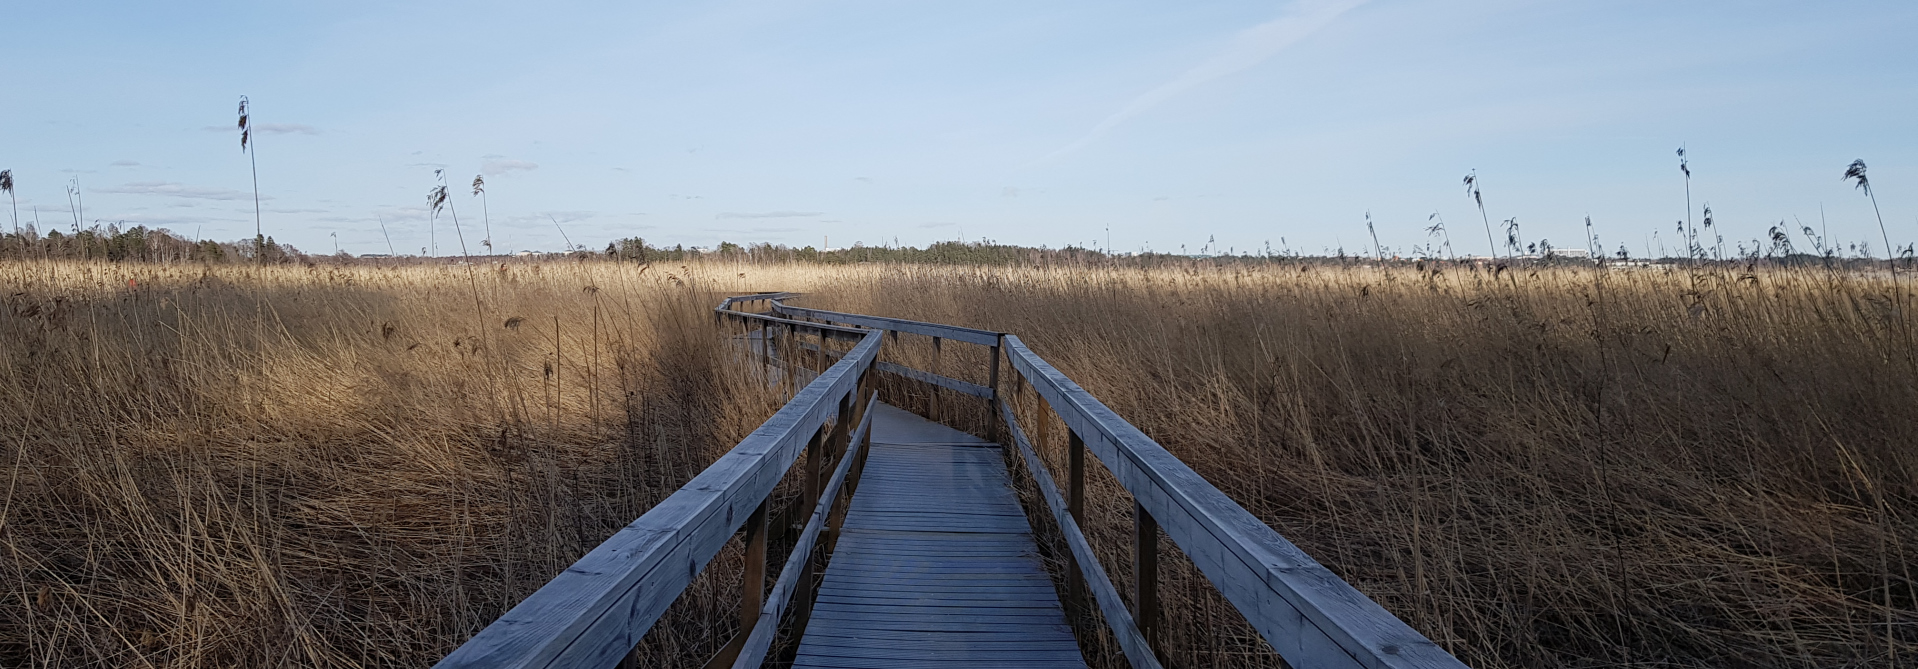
x=936, y=566
x=933, y=564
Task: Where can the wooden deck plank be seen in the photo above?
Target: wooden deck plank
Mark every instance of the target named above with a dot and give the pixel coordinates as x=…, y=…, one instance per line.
x=838, y=636
x=936, y=566
x=872, y=663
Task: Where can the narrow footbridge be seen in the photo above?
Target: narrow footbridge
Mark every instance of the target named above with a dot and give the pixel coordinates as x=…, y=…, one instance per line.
x=911, y=547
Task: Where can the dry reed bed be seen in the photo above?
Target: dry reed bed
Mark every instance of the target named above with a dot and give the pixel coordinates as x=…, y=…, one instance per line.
x=1561, y=467
x=362, y=466
x=338, y=466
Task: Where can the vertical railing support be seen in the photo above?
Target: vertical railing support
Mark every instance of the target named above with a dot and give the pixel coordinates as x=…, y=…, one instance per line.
x=933, y=410
x=1076, y=506
x=789, y=349
x=752, y=596
x=765, y=350
x=815, y=457
x=1145, y=574
x=823, y=364
x=836, y=519
x=992, y=404
x=836, y=446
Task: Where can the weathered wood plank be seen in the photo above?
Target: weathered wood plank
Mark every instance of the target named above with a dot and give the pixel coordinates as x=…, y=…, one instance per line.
x=843, y=636
x=754, y=649
x=936, y=379
x=954, y=332
x=936, y=561
x=871, y=663
x=916, y=652
x=1137, y=650
x=942, y=381
x=837, y=332
x=597, y=610
x=1289, y=597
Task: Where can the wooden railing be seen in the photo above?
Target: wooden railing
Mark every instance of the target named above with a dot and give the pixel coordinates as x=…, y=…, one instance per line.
x=1310, y=616
x=594, y=613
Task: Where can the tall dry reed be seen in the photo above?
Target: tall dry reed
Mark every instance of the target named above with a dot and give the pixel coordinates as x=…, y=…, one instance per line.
x=366, y=479
x=1533, y=467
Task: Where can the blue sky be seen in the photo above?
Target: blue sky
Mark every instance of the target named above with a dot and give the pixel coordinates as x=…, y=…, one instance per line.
x=1027, y=123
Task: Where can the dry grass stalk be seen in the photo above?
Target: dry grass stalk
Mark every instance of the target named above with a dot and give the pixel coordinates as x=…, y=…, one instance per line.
x=1590, y=467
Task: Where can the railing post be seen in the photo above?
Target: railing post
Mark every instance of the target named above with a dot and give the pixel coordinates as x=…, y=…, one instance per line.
x=836, y=446
x=752, y=597
x=788, y=348
x=865, y=446
x=1145, y=574
x=815, y=454
x=823, y=363
x=1040, y=416
x=1076, y=506
x=933, y=410
x=992, y=405
x=765, y=350
x=837, y=518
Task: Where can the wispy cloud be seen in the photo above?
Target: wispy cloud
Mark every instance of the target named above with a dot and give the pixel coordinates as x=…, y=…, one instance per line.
x=124, y=163
x=401, y=214
x=1249, y=48
x=287, y=129
x=769, y=214
x=170, y=189
x=497, y=165
x=926, y=226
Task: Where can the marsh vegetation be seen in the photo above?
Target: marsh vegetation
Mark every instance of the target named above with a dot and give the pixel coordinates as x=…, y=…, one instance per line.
x=234, y=465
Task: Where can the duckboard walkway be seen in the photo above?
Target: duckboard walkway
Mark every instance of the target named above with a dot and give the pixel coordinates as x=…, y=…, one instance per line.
x=936, y=565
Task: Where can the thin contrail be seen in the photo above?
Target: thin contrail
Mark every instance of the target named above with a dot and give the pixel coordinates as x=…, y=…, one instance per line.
x=1252, y=46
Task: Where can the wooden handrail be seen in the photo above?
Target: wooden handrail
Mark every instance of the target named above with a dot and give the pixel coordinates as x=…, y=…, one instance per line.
x=755, y=297
x=936, y=331
x=947, y=382
x=1137, y=649
x=597, y=610
x=1308, y=614
x=761, y=639
x=953, y=332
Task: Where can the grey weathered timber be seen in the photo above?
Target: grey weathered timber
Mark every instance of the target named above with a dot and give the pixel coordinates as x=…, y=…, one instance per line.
x=1084, y=562
x=595, y=612
x=757, y=643
x=932, y=562
x=932, y=398
x=837, y=332
x=953, y=332
x=992, y=382
x=1145, y=573
x=936, y=565
x=946, y=382
x=751, y=600
x=1310, y=616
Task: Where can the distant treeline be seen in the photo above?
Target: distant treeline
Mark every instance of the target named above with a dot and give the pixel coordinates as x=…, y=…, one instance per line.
x=139, y=244
x=938, y=253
